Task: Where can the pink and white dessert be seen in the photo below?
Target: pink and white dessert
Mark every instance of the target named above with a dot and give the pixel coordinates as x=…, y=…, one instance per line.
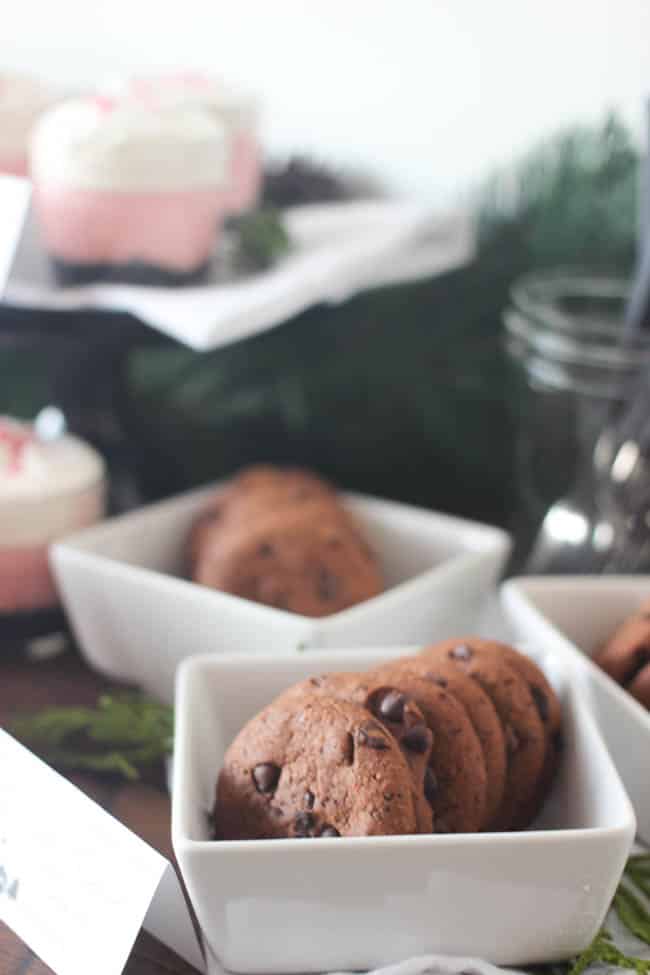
x=130, y=190
x=227, y=106
x=22, y=101
x=47, y=489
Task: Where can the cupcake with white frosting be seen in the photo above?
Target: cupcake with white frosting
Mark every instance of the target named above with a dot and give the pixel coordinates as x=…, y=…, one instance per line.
x=228, y=106
x=22, y=101
x=129, y=189
x=47, y=490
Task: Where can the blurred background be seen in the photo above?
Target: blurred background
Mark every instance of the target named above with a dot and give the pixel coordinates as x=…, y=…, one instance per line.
x=431, y=95
x=529, y=116
x=510, y=388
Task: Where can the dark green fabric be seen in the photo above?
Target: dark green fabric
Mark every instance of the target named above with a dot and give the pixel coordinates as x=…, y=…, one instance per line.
x=400, y=392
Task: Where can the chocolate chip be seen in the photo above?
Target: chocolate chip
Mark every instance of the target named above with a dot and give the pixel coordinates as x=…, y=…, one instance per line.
x=210, y=516
x=316, y=681
x=558, y=741
x=366, y=737
x=334, y=541
x=430, y=784
x=461, y=652
x=265, y=777
x=301, y=494
x=513, y=741
x=309, y=799
x=303, y=824
x=417, y=739
x=541, y=701
x=327, y=585
x=265, y=550
x=364, y=548
x=348, y=749
x=391, y=706
x=279, y=599
x=440, y=681
x=640, y=658
x=328, y=830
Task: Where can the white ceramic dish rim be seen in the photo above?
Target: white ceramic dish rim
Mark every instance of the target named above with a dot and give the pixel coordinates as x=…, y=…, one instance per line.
x=495, y=540
x=180, y=792
x=520, y=589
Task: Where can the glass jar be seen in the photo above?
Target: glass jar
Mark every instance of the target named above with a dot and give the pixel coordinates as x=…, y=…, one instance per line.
x=563, y=334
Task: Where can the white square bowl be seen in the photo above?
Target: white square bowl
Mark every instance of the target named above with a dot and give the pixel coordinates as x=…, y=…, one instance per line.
x=357, y=903
x=573, y=616
x=136, y=618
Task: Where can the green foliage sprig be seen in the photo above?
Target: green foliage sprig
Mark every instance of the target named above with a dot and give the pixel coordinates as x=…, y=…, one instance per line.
x=603, y=951
x=262, y=238
x=633, y=913
x=571, y=201
x=124, y=734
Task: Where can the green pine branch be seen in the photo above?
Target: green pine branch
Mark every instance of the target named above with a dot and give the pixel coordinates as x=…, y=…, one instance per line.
x=123, y=735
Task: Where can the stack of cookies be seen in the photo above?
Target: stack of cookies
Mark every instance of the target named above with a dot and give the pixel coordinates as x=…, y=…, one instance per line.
x=626, y=655
x=282, y=537
x=463, y=737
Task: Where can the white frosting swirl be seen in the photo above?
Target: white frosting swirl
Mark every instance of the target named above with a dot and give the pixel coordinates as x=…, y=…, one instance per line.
x=105, y=143
x=46, y=488
x=237, y=109
x=22, y=100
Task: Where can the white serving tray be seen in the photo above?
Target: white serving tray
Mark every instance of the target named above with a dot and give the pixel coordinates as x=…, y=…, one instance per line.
x=339, y=250
x=573, y=616
x=358, y=903
x=136, y=617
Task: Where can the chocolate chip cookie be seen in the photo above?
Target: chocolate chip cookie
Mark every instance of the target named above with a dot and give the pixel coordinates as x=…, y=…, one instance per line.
x=255, y=492
x=456, y=781
x=280, y=485
x=398, y=713
x=481, y=713
x=282, y=538
x=260, y=491
x=524, y=731
x=626, y=655
x=299, y=560
x=317, y=767
x=639, y=687
x=549, y=710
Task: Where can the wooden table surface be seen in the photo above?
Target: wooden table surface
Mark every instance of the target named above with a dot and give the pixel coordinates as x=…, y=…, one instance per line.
x=28, y=686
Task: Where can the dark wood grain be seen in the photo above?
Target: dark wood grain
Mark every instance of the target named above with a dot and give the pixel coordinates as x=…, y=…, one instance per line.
x=144, y=808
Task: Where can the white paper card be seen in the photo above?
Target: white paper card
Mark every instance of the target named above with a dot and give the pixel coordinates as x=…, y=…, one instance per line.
x=14, y=205
x=75, y=883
